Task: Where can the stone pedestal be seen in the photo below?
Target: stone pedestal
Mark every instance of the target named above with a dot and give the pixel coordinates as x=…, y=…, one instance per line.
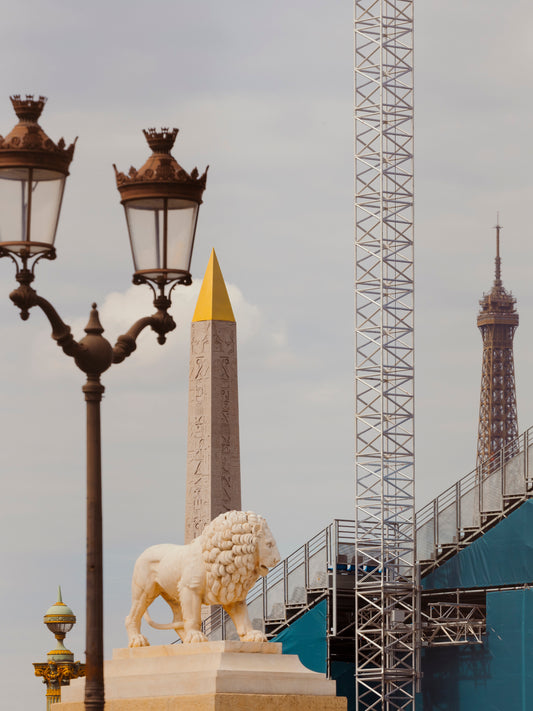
x=209, y=676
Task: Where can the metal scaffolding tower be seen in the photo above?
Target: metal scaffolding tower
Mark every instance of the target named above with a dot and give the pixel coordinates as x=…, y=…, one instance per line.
x=386, y=583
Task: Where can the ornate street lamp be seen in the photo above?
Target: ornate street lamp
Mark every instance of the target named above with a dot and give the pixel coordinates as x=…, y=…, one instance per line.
x=161, y=201
x=60, y=667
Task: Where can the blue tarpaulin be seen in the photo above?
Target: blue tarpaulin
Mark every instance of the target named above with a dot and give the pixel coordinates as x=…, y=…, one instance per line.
x=502, y=556
x=498, y=674
x=494, y=676
x=306, y=637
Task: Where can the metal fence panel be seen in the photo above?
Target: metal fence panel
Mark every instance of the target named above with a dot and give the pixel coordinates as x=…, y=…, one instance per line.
x=447, y=524
x=491, y=492
x=515, y=479
x=275, y=601
x=255, y=611
x=318, y=572
x=425, y=540
x=528, y=468
x=469, y=508
x=231, y=632
x=296, y=585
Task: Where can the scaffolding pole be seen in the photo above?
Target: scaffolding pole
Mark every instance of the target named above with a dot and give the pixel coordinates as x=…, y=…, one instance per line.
x=386, y=582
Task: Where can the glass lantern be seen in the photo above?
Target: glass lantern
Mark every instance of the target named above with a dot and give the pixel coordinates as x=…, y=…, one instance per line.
x=59, y=619
x=33, y=171
x=161, y=201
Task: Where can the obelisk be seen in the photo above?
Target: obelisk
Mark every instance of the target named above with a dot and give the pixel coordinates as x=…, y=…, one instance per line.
x=213, y=459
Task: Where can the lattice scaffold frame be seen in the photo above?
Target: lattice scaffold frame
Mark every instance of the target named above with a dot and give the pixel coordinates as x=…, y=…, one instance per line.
x=386, y=583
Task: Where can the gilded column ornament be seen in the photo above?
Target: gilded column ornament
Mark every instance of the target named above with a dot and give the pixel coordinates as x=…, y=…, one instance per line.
x=60, y=667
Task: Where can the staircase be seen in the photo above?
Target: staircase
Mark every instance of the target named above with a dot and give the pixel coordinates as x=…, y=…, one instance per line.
x=475, y=503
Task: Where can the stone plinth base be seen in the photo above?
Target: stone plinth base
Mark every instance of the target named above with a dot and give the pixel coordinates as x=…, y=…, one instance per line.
x=210, y=676
x=220, y=702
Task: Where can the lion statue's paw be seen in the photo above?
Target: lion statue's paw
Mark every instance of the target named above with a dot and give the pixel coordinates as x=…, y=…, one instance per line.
x=138, y=640
x=254, y=636
x=195, y=636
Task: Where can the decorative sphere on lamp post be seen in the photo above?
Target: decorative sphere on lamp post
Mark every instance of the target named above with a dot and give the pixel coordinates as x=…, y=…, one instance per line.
x=161, y=202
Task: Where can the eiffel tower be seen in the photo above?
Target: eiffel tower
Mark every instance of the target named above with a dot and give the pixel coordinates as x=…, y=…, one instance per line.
x=497, y=321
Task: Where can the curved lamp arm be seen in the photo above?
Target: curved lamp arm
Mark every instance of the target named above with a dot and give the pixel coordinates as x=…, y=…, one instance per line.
x=25, y=297
x=161, y=322
x=94, y=354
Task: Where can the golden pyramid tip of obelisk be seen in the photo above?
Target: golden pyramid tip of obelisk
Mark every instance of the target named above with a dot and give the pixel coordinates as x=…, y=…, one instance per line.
x=213, y=301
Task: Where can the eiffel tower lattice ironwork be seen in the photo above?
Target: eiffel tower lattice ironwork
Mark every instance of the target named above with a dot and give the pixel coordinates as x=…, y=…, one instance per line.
x=497, y=321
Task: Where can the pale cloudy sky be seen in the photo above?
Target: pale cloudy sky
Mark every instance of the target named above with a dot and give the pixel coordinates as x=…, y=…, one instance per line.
x=263, y=93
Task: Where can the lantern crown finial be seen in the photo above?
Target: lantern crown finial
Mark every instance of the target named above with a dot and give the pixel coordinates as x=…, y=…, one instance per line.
x=27, y=145
x=160, y=141
x=28, y=108
x=161, y=175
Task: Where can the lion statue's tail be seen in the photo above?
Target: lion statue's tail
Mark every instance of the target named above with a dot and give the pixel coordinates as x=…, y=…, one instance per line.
x=167, y=626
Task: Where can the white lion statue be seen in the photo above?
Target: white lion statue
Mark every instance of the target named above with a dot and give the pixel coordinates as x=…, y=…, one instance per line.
x=217, y=568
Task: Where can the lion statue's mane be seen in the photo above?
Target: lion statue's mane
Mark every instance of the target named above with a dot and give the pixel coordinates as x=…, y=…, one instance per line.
x=229, y=545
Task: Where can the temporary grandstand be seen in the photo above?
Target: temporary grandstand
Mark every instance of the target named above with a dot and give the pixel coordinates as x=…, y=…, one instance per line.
x=475, y=551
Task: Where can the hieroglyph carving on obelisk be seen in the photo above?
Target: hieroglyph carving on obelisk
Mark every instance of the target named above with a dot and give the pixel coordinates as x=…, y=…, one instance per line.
x=213, y=459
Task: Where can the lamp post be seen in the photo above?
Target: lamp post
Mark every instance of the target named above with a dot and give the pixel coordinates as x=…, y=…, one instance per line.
x=60, y=667
x=161, y=202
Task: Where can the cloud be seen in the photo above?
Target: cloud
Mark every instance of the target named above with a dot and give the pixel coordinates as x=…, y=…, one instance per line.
x=258, y=333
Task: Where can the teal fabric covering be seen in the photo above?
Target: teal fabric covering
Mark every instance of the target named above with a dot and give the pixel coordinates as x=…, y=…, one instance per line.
x=494, y=676
x=344, y=675
x=502, y=556
x=306, y=637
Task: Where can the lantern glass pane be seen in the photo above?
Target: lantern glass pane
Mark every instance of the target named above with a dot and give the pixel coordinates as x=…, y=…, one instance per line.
x=58, y=627
x=30, y=201
x=158, y=243
x=182, y=216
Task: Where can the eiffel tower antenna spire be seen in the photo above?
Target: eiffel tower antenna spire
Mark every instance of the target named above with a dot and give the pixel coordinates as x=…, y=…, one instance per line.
x=498, y=261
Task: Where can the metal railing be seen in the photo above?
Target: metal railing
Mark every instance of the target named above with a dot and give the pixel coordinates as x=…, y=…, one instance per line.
x=294, y=582
x=461, y=512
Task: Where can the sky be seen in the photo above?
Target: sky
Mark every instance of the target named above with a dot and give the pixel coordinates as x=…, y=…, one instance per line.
x=263, y=93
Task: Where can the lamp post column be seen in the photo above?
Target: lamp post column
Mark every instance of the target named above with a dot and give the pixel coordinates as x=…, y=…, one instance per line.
x=94, y=682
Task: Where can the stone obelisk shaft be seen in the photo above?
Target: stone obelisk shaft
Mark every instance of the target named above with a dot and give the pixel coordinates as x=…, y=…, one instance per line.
x=213, y=459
